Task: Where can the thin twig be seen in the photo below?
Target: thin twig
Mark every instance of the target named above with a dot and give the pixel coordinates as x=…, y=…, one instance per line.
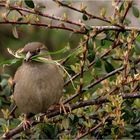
x=13, y=110
x=92, y=129
x=91, y=16
x=82, y=65
x=41, y=14
x=42, y=25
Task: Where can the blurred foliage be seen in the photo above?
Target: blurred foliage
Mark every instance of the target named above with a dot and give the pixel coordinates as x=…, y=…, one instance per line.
x=94, y=56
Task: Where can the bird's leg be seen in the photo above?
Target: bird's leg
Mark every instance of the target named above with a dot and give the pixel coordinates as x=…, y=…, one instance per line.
x=65, y=107
x=26, y=122
x=62, y=107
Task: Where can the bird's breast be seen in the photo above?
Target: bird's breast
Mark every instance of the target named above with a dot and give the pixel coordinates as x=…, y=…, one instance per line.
x=37, y=87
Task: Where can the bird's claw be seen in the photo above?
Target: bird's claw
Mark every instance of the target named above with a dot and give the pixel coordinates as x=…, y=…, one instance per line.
x=65, y=108
x=62, y=108
x=26, y=124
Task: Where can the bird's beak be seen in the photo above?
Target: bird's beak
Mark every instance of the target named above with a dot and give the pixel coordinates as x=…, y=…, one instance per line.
x=28, y=56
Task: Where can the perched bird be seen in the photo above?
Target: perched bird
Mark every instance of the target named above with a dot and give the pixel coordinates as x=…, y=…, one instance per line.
x=37, y=85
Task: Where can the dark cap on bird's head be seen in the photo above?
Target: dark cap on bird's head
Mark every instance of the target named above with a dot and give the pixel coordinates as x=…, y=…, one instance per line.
x=32, y=49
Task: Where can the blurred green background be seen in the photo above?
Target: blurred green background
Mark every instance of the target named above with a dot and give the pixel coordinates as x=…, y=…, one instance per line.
x=54, y=40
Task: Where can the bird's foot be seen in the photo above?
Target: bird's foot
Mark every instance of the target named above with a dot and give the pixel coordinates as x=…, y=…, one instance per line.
x=25, y=123
x=65, y=108
x=62, y=107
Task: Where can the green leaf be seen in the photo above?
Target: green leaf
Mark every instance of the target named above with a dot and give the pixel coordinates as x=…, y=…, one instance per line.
x=121, y=7
x=91, y=52
x=40, y=6
x=137, y=47
x=135, y=11
x=20, y=19
x=29, y=3
x=65, y=123
x=89, y=28
x=98, y=62
x=66, y=2
x=108, y=66
x=71, y=116
x=2, y=121
x=91, y=55
x=47, y=131
x=127, y=21
x=85, y=17
x=137, y=103
x=4, y=83
x=10, y=62
x=1, y=104
x=101, y=36
x=7, y=91
x=129, y=128
x=15, y=32
x=90, y=43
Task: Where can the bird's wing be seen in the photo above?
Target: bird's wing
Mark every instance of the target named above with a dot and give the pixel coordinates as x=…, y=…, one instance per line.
x=16, y=77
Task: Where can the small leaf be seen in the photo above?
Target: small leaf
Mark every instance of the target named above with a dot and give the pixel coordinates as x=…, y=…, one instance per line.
x=66, y=2
x=73, y=67
x=71, y=116
x=4, y=83
x=108, y=67
x=127, y=21
x=10, y=62
x=137, y=47
x=103, y=12
x=98, y=63
x=85, y=17
x=89, y=28
x=29, y=3
x=129, y=128
x=20, y=19
x=90, y=43
x=137, y=103
x=135, y=11
x=40, y=6
x=101, y=36
x=121, y=7
x=16, y=54
x=91, y=52
x=7, y=91
x=65, y=123
x=2, y=121
x=14, y=31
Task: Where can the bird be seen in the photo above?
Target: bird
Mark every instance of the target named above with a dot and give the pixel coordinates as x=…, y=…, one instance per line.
x=37, y=85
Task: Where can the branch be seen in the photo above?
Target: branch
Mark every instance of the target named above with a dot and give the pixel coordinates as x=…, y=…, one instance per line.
x=102, y=78
x=41, y=14
x=95, y=83
x=63, y=27
x=115, y=28
x=92, y=129
x=91, y=16
x=54, y=113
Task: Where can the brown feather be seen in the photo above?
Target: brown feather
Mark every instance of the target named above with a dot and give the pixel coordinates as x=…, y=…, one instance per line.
x=37, y=86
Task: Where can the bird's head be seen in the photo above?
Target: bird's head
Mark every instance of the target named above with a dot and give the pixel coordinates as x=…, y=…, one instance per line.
x=33, y=49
